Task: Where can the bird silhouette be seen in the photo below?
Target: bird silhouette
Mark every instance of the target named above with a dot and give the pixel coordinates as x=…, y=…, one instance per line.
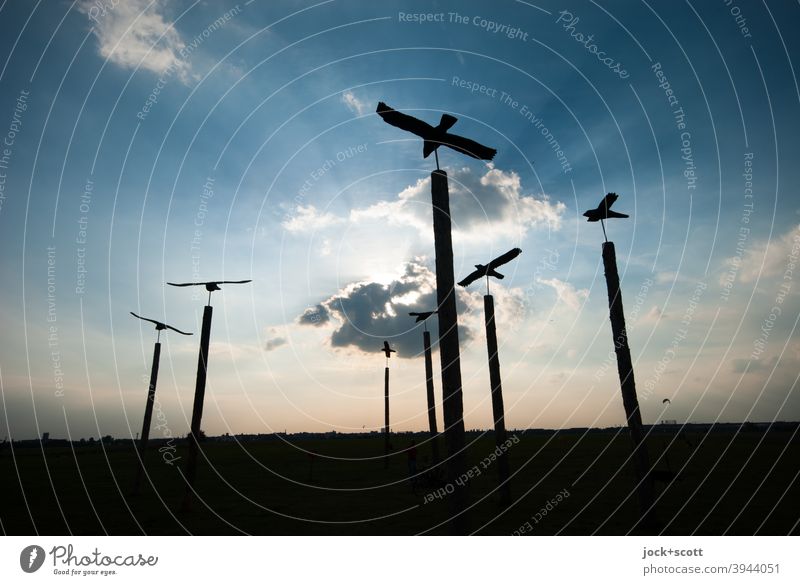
x=487, y=270
x=211, y=286
x=159, y=325
x=435, y=136
x=422, y=316
x=388, y=350
x=603, y=211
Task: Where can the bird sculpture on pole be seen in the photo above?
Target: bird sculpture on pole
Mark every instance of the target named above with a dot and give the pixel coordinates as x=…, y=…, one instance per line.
x=151, y=396
x=211, y=286
x=200, y=384
x=496, y=388
x=386, y=445
x=435, y=136
x=603, y=212
x=422, y=317
x=426, y=344
x=449, y=352
x=630, y=401
x=487, y=270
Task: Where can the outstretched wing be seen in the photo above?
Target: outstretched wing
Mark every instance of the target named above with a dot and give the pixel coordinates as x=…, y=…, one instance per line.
x=178, y=330
x=422, y=316
x=404, y=121
x=186, y=283
x=505, y=258
x=230, y=281
x=608, y=201
x=472, y=277
x=145, y=318
x=468, y=147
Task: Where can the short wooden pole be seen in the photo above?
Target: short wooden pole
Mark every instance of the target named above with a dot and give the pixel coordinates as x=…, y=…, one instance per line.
x=498, y=411
x=148, y=416
x=197, y=408
x=434, y=433
x=386, y=417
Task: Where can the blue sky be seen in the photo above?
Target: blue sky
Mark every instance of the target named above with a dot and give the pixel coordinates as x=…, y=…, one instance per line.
x=176, y=141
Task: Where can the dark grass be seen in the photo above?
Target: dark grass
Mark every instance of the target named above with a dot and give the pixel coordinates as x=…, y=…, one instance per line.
x=732, y=483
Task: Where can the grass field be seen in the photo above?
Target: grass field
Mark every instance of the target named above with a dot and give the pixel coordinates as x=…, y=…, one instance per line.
x=731, y=483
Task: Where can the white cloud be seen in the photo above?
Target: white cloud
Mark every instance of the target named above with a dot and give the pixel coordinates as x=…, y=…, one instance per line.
x=481, y=205
x=567, y=293
x=765, y=258
x=134, y=33
x=308, y=218
x=356, y=105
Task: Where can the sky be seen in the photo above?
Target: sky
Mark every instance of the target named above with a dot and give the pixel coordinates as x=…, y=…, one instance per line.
x=147, y=142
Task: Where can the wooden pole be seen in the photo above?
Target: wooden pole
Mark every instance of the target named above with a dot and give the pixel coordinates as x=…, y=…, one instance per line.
x=641, y=459
x=452, y=403
x=148, y=416
x=498, y=411
x=197, y=409
x=426, y=339
x=386, y=417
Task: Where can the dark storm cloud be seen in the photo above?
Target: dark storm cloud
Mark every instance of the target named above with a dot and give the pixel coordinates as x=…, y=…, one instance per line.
x=370, y=312
x=275, y=343
x=317, y=315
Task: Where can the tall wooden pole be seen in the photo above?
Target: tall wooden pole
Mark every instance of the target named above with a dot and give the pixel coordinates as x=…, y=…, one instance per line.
x=498, y=411
x=426, y=339
x=386, y=417
x=197, y=409
x=148, y=416
x=449, y=353
x=641, y=459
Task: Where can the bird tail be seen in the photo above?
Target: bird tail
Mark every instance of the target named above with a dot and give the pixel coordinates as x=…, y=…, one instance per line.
x=615, y=214
x=428, y=147
x=496, y=274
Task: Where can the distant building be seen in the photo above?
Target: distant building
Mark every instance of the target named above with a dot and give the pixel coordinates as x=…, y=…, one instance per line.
x=45, y=437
